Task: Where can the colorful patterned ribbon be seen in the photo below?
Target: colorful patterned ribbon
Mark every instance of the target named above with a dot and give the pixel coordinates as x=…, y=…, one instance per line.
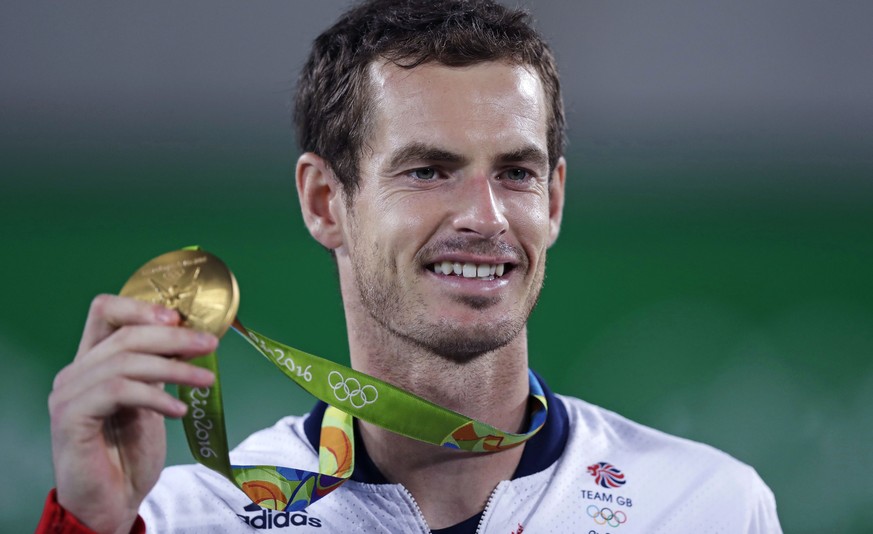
x=350, y=394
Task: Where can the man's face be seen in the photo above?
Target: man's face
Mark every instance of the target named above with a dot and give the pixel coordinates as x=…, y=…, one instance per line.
x=445, y=240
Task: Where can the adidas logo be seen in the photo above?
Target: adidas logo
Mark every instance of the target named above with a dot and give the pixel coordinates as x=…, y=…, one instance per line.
x=270, y=519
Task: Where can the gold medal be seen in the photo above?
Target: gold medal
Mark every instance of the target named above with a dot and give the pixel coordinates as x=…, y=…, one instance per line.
x=195, y=283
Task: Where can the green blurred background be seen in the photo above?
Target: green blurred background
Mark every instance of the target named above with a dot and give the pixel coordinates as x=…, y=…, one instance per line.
x=712, y=278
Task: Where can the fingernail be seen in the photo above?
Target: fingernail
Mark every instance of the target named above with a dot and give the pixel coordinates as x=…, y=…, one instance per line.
x=166, y=315
x=180, y=407
x=205, y=374
x=202, y=339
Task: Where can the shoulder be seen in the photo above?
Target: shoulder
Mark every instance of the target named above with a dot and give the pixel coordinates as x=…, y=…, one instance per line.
x=609, y=457
x=607, y=430
x=595, y=430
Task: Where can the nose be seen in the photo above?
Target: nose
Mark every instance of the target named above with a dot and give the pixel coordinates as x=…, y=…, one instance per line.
x=478, y=209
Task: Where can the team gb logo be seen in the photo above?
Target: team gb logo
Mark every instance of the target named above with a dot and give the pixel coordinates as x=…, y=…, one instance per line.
x=606, y=475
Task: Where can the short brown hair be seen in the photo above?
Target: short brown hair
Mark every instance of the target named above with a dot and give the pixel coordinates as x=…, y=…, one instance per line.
x=331, y=108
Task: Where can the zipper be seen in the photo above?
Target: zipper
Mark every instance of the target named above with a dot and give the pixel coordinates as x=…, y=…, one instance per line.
x=488, y=507
x=415, y=505
x=491, y=499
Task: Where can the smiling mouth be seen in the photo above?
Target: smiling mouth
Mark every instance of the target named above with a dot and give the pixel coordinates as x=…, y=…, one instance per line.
x=481, y=271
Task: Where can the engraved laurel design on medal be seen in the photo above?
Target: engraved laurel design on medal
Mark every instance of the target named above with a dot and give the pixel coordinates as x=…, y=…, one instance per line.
x=193, y=282
x=175, y=293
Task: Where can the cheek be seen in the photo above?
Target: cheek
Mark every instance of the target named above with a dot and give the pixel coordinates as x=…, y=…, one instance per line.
x=385, y=236
x=532, y=225
x=406, y=220
x=400, y=221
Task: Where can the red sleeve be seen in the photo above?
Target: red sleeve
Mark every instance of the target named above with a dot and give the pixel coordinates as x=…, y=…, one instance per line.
x=57, y=520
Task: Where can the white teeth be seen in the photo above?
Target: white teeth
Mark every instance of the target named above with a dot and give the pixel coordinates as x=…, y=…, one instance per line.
x=470, y=270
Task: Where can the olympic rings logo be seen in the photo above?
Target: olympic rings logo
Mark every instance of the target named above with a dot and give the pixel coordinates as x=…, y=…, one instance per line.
x=350, y=389
x=605, y=516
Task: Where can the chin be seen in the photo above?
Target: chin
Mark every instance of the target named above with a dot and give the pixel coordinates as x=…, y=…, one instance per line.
x=465, y=342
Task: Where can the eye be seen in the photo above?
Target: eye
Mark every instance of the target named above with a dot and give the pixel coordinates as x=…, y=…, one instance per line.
x=427, y=173
x=515, y=175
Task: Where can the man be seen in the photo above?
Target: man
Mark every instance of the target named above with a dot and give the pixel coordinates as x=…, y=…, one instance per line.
x=432, y=169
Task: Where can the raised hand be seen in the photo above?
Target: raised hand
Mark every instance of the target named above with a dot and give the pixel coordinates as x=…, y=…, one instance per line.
x=108, y=406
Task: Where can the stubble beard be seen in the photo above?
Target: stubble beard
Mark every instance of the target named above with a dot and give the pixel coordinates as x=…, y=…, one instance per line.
x=403, y=313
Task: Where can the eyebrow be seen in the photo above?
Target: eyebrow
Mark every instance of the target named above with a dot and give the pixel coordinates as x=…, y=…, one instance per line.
x=530, y=153
x=422, y=152
x=428, y=153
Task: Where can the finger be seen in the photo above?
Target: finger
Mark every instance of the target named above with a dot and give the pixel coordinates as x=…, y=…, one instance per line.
x=111, y=396
x=109, y=312
x=147, y=368
x=152, y=339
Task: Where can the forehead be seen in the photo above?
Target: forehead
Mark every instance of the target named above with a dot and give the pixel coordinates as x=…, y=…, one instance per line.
x=485, y=105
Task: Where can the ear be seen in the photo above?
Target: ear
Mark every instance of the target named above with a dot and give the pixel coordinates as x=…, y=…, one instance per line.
x=556, y=199
x=321, y=202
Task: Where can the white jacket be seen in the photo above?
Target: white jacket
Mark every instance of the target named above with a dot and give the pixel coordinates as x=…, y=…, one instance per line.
x=654, y=483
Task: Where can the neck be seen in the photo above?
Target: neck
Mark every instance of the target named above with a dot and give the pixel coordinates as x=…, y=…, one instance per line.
x=449, y=486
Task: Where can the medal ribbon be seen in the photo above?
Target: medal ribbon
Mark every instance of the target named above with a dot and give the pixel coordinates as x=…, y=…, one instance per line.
x=388, y=406
x=349, y=394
